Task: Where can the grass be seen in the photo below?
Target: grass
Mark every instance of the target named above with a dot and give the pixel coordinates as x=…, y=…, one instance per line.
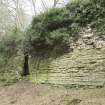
x=39, y=78
x=73, y=102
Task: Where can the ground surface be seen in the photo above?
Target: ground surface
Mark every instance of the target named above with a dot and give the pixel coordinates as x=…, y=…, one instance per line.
x=25, y=93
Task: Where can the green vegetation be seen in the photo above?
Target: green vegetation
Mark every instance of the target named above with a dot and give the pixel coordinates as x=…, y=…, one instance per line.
x=11, y=57
x=49, y=34
x=46, y=35
x=74, y=102
x=50, y=31
x=89, y=12
x=39, y=68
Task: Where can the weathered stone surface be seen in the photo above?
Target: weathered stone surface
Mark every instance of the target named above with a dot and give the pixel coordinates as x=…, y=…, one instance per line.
x=84, y=66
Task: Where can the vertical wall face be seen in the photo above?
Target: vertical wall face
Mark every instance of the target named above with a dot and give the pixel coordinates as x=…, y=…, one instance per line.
x=84, y=66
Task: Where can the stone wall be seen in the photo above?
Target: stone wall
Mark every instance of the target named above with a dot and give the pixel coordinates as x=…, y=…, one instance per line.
x=84, y=66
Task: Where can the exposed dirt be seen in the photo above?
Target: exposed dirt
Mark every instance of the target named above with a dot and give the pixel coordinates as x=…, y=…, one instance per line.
x=25, y=93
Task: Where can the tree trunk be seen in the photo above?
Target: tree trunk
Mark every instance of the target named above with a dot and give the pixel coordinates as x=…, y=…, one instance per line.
x=26, y=65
